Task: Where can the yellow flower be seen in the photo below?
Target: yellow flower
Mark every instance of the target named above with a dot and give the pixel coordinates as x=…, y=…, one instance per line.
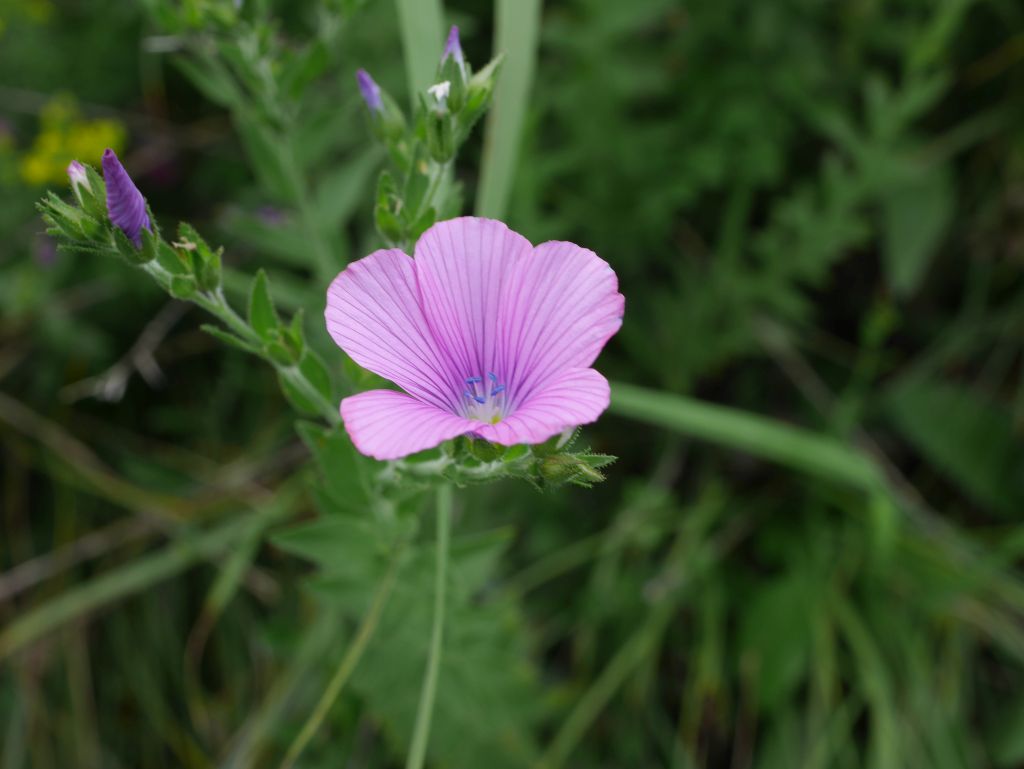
x=65, y=136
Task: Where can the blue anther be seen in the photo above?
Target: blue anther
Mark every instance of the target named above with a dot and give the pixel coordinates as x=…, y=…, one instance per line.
x=497, y=389
x=493, y=377
x=474, y=380
x=479, y=399
x=468, y=394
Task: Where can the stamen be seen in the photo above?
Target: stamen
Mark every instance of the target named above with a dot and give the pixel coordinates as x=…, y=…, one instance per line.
x=480, y=392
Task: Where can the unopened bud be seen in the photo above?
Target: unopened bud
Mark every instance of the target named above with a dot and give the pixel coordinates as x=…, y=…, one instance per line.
x=125, y=204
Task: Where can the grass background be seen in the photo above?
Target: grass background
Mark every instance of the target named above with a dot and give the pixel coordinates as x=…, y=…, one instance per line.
x=809, y=552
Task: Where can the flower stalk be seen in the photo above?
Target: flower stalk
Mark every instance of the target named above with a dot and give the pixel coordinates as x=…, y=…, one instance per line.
x=428, y=695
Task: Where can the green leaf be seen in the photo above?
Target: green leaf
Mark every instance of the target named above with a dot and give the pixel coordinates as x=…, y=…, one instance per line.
x=262, y=315
x=115, y=584
x=304, y=66
x=967, y=436
x=339, y=545
x=268, y=156
x=343, y=469
x=776, y=630
x=211, y=78
x=916, y=216
x=482, y=718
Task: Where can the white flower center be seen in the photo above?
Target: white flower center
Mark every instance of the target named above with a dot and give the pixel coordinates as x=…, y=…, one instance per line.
x=485, y=398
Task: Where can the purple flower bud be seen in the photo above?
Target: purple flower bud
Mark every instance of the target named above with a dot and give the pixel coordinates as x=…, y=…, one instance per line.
x=125, y=204
x=452, y=47
x=79, y=178
x=370, y=91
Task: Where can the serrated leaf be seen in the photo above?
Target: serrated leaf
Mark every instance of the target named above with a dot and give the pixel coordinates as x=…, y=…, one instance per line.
x=482, y=718
x=337, y=544
x=342, y=468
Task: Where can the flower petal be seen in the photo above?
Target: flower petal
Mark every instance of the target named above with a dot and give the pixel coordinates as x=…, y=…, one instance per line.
x=125, y=204
x=561, y=305
x=462, y=265
x=385, y=424
x=572, y=398
x=373, y=313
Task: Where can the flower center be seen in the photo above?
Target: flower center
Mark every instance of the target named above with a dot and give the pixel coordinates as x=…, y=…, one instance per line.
x=485, y=398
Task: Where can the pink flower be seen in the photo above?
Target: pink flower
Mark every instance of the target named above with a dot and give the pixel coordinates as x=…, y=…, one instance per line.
x=486, y=335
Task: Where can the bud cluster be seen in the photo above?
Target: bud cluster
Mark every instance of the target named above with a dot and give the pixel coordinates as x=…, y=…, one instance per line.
x=422, y=150
x=112, y=217
x=466, y=461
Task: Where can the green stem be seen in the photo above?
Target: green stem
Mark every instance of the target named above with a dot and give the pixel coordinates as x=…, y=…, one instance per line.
x=348, y=664
x=217, y=305
x=421, y=732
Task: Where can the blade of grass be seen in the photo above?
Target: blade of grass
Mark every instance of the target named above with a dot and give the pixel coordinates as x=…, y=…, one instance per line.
x=422, y=40
x=236, y=565
x=517, y=29
x=763, y=437
x=132, y=578
x=289, y=690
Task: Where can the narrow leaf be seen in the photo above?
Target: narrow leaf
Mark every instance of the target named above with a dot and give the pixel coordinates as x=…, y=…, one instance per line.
x=516, y=34
x=262, y=316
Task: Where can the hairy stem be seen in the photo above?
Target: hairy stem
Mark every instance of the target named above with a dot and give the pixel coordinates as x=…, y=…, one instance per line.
x=421, y=732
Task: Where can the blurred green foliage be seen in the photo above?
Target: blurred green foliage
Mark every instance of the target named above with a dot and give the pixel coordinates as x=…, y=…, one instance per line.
x=809, y=553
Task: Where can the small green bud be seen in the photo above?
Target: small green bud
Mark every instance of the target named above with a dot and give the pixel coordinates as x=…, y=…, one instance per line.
x=94, y=202
x=479, y=92
x=182, y=287
x=208, y=272
x=386, y=209
x=279, y=354
x=440, y=135
x=173, y=261
x=567, y=468
x=150, y=247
